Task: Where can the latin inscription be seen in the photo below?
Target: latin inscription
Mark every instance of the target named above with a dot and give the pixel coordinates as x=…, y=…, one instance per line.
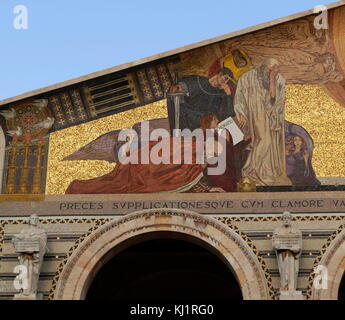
x=339, y=203
x=115, y=205
x=221, y=206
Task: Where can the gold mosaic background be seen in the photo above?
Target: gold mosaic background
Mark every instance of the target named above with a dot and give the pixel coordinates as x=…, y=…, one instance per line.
x=308, y=106
x=312, y=108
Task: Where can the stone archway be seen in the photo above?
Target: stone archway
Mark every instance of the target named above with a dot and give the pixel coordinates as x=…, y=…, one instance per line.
x=165, y=266
x=334, y=261
x=93, y=253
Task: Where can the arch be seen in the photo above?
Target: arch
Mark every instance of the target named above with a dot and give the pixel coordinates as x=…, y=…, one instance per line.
x=2, y=156
x=166, y=266
x=334, y=261
x=95, y=251
x=341, y=294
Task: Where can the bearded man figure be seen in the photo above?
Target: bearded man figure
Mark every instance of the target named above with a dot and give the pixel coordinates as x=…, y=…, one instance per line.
x=260, y=109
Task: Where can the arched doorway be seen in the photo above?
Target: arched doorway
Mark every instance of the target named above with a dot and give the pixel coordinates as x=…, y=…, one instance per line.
x=116, y=236
x=341, y=295
x=165, y=269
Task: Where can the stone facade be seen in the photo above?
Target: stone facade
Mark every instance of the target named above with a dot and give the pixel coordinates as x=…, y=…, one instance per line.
x=60, y=148
x=77, y=244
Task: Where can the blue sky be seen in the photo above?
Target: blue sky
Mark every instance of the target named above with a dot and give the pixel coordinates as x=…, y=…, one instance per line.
x=70, y=38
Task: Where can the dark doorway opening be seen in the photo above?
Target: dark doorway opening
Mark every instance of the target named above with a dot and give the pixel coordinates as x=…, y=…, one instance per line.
x=165, y=270
x=342, y=290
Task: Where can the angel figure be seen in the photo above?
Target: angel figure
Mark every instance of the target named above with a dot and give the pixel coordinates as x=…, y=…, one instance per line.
x=299, y=153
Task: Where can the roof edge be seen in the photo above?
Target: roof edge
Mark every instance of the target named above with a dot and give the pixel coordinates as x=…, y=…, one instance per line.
x=167, y=54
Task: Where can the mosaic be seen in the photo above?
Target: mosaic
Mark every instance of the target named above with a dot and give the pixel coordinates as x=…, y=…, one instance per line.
x=317, y=115
x=65, y=142
x=279, y=92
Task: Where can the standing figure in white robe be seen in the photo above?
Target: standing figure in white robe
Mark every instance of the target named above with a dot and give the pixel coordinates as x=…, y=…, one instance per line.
x=287, y=242
x=260, y=109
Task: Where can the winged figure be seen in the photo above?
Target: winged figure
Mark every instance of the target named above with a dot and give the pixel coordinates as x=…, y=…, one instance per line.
x=18, y=132
x=8, y=114
x=292, y=129
x=41, y=103
x=107, y=146
x=45, y=124
x=299, y=155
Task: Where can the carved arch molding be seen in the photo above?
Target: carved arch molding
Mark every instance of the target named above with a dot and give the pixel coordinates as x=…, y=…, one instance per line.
x=334, y=262
x=115, y=236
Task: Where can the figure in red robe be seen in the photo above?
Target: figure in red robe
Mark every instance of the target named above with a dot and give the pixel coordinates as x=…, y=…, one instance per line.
x=180, y=178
